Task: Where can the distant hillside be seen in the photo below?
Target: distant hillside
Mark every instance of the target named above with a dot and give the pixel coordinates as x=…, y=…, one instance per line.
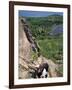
x=52, y=19
x=43, y=25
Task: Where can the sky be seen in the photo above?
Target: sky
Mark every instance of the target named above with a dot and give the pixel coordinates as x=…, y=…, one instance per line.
x=37, y=13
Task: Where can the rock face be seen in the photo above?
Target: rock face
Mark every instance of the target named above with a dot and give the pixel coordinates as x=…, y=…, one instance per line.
x=24, y=51
x=26, y=44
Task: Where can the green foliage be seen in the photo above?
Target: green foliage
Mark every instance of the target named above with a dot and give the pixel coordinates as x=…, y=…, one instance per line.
x=34, y=55
x=40, y=26
x=50, y=46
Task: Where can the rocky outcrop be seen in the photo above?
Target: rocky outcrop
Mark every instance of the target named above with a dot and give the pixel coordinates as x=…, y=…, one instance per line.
x=24, y=45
